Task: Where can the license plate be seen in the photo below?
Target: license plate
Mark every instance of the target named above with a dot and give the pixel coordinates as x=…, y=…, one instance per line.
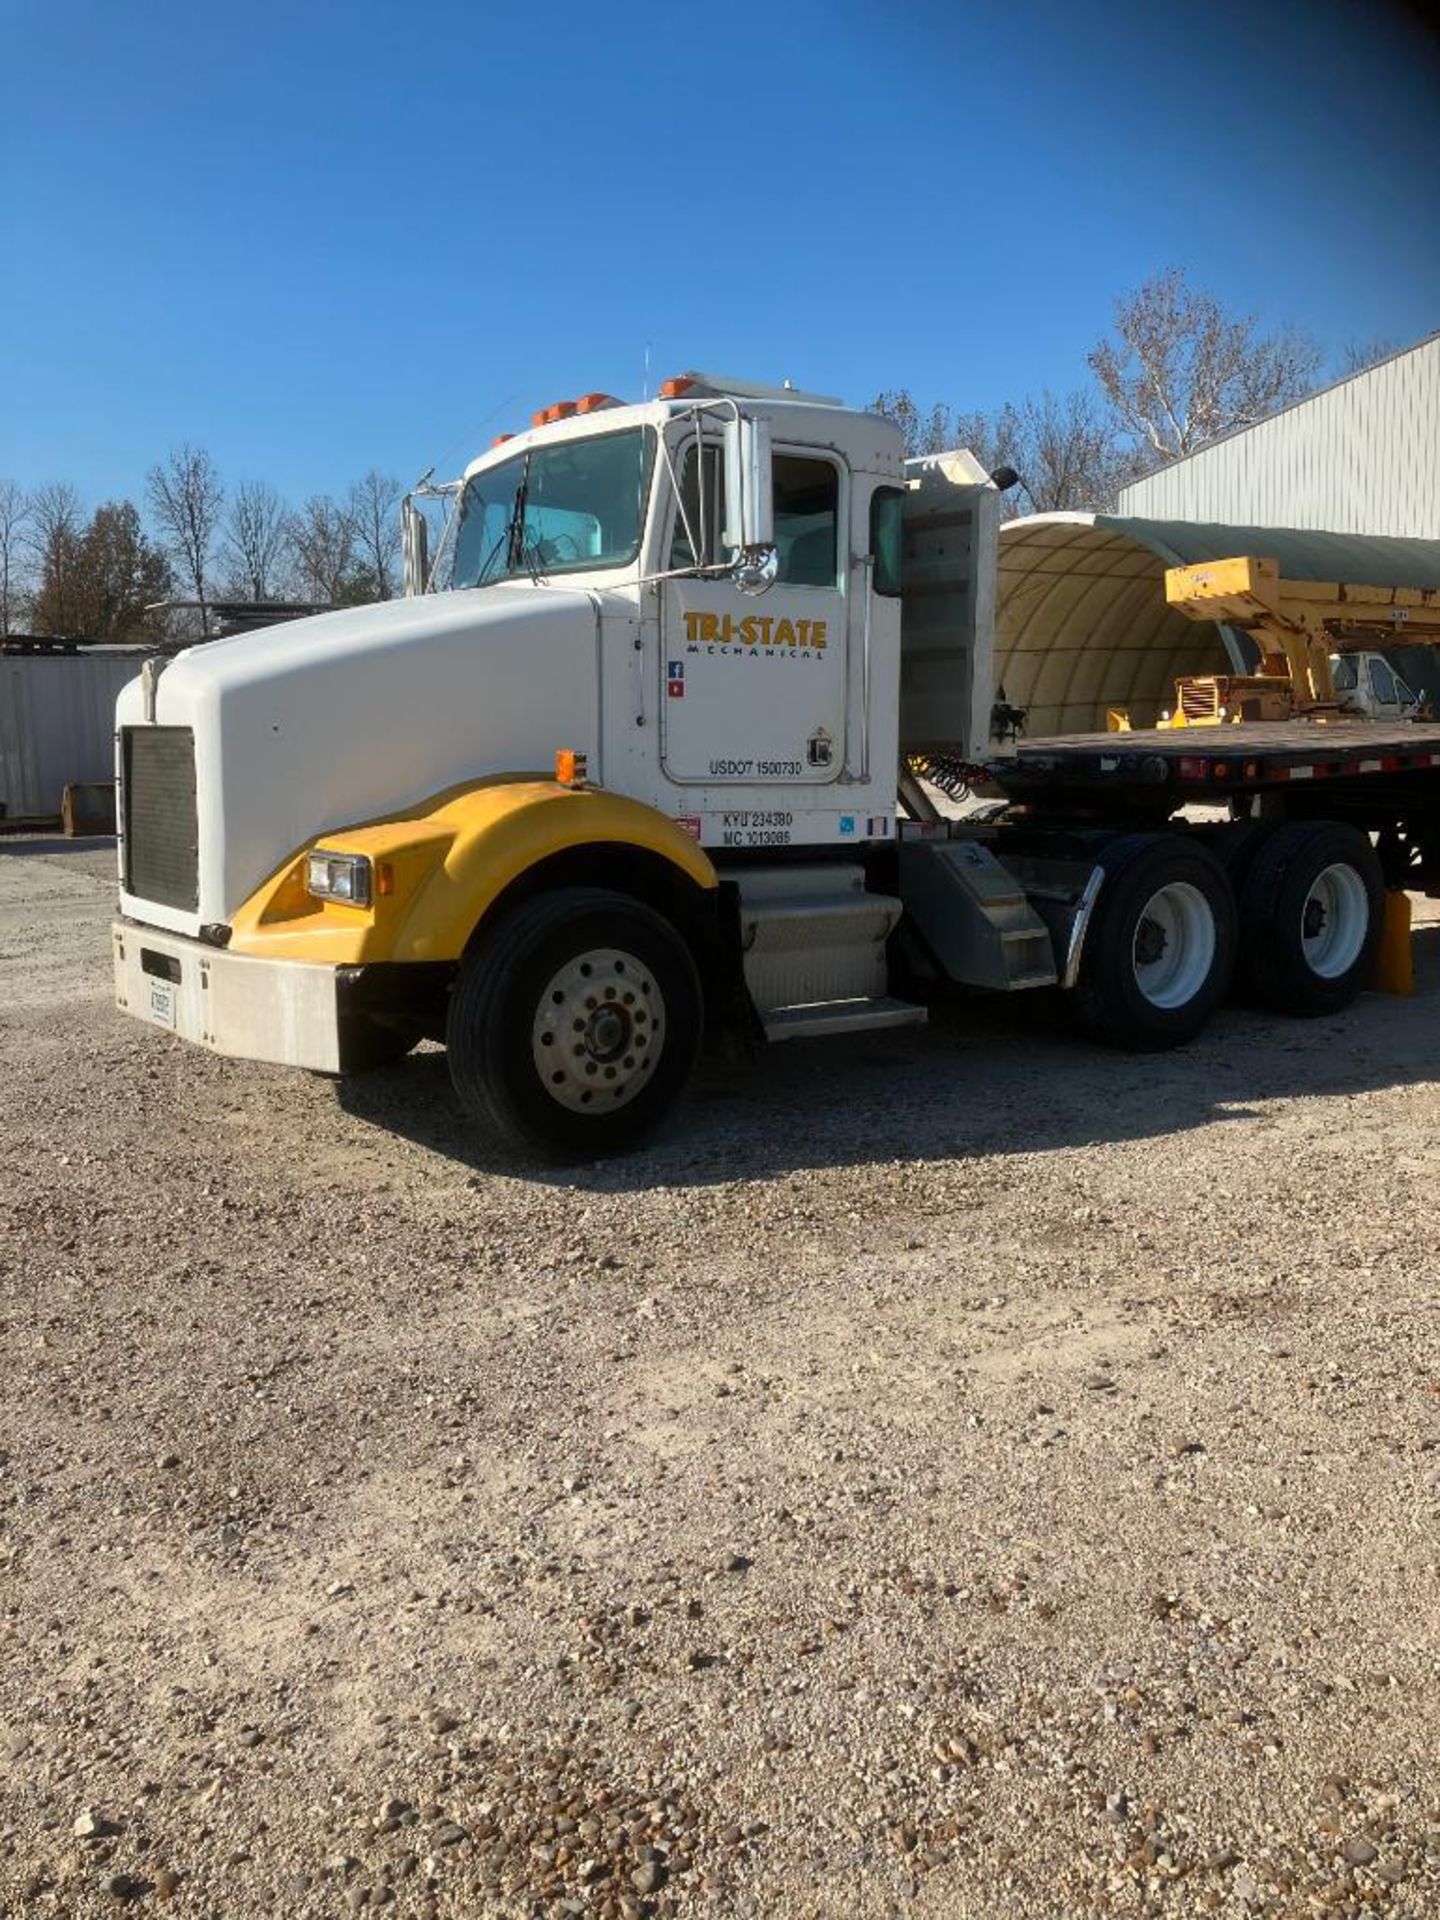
x=160, y=1000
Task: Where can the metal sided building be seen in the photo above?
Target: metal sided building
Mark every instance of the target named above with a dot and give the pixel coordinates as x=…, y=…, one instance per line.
x=57, y=720
x=1361, y=456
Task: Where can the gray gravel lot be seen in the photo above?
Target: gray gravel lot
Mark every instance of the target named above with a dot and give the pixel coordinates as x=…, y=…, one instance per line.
x=960, y=1474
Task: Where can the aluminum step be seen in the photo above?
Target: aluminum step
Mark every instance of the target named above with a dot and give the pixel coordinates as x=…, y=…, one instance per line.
x=812, y=935
x=826, y=1017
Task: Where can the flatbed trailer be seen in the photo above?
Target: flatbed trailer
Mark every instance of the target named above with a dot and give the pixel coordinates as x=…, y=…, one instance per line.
x=1156, y=771
x=1169, y=869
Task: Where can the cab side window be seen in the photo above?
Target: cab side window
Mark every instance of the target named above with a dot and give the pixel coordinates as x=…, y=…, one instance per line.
x=807, y=519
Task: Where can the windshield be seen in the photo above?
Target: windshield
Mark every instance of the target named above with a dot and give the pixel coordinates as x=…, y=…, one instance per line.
x=566, y=508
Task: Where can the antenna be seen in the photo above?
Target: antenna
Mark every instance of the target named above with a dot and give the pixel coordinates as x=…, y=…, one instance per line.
x=646, y=393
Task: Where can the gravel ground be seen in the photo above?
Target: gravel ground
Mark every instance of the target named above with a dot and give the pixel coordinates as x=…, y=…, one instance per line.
x=960, y=1474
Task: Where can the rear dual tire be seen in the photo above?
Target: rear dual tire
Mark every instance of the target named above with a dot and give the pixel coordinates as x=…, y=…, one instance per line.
x=1160, y=947
x=1312, y=912
x=1168, y=931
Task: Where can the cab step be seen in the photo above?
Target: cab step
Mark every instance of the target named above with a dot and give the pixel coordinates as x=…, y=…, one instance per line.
x=812, y=935
x=826, y=1017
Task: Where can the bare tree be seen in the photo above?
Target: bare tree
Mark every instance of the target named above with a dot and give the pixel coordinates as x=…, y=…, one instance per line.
x=897, y=404
x=16, y=508
x=373, y=507
x=54, y=539
x=1067, y=453
x=937, y=429
x=1358, y=355
x=1065, y=448
x=995, y=438
x=1182, y=370
x=321, y=538
x=185, y=498
x=254, y=538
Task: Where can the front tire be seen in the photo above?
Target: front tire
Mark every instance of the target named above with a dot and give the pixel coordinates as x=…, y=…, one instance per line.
x=1160, y=948
x=575, y=1023
x=1312, y=911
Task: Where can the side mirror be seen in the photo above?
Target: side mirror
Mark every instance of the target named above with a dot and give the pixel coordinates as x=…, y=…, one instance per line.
x=749, y=504
x=415, y=543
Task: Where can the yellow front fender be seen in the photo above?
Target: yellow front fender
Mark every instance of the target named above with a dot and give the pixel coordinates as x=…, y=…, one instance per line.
x=440, y=866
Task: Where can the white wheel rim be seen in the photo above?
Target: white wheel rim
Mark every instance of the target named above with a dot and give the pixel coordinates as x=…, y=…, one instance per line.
x=598, y=1031
x=1335, y=921
x=1174, y=946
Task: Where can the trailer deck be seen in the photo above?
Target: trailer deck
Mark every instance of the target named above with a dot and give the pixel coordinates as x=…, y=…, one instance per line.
x=1194, y=764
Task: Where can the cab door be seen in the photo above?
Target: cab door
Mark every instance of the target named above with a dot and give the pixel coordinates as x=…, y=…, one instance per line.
x=1391, y=697
x=755, y=684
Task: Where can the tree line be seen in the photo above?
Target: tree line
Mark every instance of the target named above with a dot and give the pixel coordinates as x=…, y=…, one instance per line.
x=105, y=574
x=1176, y=371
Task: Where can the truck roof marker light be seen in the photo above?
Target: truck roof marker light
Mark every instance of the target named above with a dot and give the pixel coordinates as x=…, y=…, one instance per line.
x=677, y=388
x=547, y=416
x=501, y=438
x=571, y=768
x=594, y=402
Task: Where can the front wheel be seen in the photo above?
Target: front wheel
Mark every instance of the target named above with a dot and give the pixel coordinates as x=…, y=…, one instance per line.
x=575, y=1023
x=1161, y=944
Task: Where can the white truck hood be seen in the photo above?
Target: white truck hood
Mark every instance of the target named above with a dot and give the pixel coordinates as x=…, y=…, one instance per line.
x=319, y=724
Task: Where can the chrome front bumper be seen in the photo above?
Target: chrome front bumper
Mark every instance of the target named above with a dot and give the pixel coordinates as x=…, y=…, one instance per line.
x=284, y=1011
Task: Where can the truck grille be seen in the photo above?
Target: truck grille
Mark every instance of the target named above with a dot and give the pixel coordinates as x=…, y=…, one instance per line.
x=161, y=834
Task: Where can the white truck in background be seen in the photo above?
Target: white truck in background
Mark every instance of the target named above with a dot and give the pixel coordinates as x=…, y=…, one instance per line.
x=1367, y=684
x=645, y=753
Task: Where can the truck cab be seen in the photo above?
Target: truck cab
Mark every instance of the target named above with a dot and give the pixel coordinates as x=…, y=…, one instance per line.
x=656, y=642
x=732, y=703
x=1366, y=683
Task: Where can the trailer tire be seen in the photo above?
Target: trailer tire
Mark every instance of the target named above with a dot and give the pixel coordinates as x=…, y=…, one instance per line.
x=1235, y=846
x=1312, y=912
x=1160, y=947
x=575, y=1023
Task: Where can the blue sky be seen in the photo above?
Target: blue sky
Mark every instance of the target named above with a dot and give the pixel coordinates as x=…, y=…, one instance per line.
x=316, y=238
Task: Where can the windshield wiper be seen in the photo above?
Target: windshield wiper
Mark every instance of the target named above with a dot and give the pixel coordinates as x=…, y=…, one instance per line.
x=515, y=549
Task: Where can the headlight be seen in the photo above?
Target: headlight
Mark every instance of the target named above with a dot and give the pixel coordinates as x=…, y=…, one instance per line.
x=339, y=876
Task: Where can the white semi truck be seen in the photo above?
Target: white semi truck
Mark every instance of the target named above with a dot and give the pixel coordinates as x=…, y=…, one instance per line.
x=644, y=752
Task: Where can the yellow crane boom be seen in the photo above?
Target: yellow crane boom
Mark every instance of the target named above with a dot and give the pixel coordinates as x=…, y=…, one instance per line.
x=1297, y=625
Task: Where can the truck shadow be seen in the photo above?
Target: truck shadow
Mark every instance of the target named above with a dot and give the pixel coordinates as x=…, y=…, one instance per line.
x=988, y=1076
